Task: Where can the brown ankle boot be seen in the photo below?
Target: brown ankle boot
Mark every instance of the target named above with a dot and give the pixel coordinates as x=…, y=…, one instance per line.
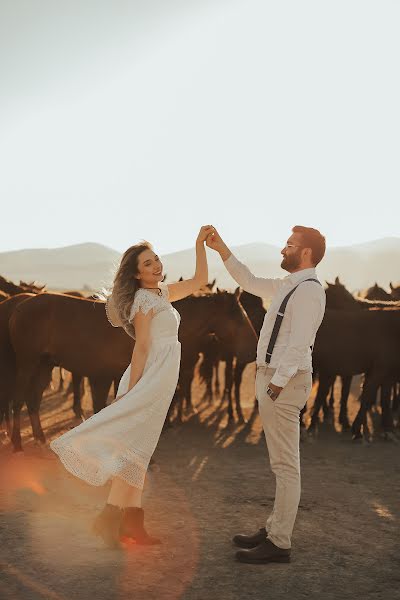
x=132, y=526
x=107, y=525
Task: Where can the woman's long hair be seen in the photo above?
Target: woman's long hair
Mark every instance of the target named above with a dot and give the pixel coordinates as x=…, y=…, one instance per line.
x=125, y=285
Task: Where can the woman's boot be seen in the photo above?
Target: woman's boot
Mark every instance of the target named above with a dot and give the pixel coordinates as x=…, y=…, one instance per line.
x=132, y=526
x=107, y=525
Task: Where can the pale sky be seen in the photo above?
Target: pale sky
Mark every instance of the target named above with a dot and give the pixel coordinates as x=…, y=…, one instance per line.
x=130, y=120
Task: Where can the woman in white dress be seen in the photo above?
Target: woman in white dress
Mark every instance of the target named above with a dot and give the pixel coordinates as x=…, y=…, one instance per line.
x=117, y=443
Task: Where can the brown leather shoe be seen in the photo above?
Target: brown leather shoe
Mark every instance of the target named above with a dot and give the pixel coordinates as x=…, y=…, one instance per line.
x=264, y=553
x=132, y=526
x=107, y=525
x=250, y=541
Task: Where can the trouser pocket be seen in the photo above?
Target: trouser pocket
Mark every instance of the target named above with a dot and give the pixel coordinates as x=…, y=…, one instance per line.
x=263, y=377
x=297, y=390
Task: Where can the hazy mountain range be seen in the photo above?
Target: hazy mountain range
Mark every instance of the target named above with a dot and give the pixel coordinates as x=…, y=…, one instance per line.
x=91, y=265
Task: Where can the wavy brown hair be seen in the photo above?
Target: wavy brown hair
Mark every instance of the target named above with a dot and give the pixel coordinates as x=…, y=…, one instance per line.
x=125, y=285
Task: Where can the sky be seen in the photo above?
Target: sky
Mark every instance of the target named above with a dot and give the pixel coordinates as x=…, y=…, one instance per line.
x=128, y=120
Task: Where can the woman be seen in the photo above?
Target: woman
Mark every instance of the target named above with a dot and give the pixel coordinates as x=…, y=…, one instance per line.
x=118, y=442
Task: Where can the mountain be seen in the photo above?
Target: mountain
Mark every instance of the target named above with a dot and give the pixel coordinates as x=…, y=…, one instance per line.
x=72, y=267
x=91, y=265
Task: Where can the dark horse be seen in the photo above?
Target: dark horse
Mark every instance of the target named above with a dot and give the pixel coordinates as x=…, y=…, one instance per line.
x=54, y=329
x=356, y=342
x=339, y=298
x=226, y=320
x=214, y=352
x=7, y=357
x=375, y=292
x=57, y=330
x=12, y=289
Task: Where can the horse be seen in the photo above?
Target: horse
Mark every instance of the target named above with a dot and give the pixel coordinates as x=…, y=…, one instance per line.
x=226, y=319
x=360, y=342
x=7, y=357
x=12, y=289
x=375, y=292
x=338, y=297
x=394, y=291
x=57, y=330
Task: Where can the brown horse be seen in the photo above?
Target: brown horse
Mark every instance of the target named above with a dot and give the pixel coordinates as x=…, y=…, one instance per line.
x=214, y=352
x=12, y=289
x=355, y=342
x=394, y=291
x=57, y=330
x=7, y=357
x=54, y=329
x=201, y=315
x=339, y=298
x=375, y=292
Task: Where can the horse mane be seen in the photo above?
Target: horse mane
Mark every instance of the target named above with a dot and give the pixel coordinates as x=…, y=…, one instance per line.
x=377, y=303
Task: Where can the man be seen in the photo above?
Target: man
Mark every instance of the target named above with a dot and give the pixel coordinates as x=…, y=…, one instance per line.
x=283, y=380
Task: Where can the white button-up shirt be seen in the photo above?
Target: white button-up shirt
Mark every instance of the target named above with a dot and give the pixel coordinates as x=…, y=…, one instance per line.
x=303, y=316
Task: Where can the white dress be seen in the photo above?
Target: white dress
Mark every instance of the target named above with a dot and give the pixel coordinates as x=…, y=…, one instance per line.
x=121, y=438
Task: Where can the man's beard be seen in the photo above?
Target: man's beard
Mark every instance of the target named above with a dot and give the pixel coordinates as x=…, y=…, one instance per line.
x=290, y=263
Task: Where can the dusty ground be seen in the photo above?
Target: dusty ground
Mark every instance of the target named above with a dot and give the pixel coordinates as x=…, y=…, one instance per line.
x=213, y=482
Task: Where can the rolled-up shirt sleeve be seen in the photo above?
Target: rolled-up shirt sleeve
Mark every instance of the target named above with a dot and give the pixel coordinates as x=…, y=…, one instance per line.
x=259, y=286
x=306, y=309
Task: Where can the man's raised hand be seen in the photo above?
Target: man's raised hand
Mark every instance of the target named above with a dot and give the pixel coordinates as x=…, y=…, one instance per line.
x=215, y=242
x=205, y=233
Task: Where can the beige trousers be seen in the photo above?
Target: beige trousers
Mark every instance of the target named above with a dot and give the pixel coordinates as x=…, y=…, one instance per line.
x=281, y=424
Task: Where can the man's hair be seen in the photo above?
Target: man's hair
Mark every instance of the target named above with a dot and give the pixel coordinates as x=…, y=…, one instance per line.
x=313, y=239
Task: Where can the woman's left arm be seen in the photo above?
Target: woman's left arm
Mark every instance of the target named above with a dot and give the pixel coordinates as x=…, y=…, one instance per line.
x=181, y=289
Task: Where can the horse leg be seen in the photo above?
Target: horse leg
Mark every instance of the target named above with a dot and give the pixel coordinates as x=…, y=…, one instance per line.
x=387, y=414
x=344, y=395
x=187, y=392
x=302, y=424
x=100, y=387
x=239, y=368
x=326, y=404
x=217, y=384
x=76, y=385
x=368, y=395
x=396, y=403
x=331, y=403
x=228, y=386
x=7, y=392
x=42, y=380
x=24, y=379
x=207, y=370
x=180, y=399
x=168, y=418
x=324, y=384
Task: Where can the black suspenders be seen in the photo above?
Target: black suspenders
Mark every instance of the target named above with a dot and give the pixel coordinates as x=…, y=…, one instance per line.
x=279, y=319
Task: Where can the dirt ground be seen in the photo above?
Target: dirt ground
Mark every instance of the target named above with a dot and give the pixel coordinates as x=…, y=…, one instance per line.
x=212, y=482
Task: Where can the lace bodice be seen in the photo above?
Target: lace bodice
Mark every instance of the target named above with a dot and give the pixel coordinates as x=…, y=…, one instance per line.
x=146, y=300
x=166, y=319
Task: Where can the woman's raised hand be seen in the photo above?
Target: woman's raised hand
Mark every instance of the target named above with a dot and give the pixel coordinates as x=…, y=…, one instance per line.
x=204, y=233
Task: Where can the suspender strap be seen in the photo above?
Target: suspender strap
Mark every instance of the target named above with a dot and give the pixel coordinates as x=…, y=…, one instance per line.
x=279, y=319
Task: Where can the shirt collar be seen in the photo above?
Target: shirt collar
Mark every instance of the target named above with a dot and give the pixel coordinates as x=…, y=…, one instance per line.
x=294, y=278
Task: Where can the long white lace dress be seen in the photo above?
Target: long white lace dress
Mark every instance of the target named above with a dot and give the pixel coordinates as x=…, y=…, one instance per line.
x=121, y=438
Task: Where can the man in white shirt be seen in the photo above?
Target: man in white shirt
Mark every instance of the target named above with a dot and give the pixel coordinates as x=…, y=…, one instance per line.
x=283, y=380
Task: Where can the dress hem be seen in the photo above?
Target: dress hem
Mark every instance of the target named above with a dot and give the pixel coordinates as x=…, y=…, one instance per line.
x=70, y=466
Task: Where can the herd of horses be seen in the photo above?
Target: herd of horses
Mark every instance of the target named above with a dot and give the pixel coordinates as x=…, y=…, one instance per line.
x=40, y=330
